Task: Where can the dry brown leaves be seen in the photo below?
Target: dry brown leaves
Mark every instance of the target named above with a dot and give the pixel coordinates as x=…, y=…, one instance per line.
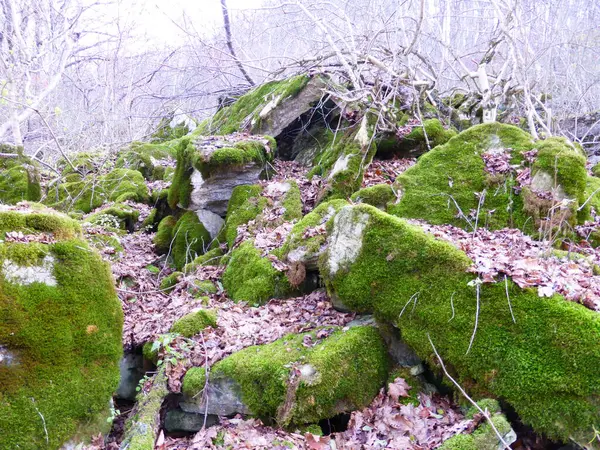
x=309, y=189
x=385, y=171
x=527, y=262
x=19, y=236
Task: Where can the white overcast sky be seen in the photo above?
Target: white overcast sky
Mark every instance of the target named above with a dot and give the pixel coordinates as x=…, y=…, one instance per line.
x=154, y=18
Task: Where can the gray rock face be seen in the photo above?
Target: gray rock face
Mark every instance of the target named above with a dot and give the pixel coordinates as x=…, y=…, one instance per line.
x=223, y=397
x=177, y=421
x=213, y=194
x=131, y=371
x=211, y=221
x=278, y=114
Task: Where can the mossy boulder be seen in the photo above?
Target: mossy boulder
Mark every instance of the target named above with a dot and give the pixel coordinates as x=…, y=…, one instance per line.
x=380, y=196
x=596, y=170
x=125, y=184
x=306, y=241
x=543, y=364
x=343, y=164
x=190, y=239
x=151, y=160
x=483, y=437
x=291, y=382
x=82, y=164
x=194, y=322
x=210, y=258
x=208, y=168
x=61, y=323
x=252, y=278
x=175, y=125
x=269, y=108
x=77, y=196
x=116, y=215
x=19, y=177
x=164, y=236
x=454, y=172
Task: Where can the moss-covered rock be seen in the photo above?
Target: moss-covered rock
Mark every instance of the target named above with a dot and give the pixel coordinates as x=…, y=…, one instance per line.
x=451, y=174
x=306, y=240
x=151, y=160
x=190, y=239
x=82, y=164
x=210, y=258
x=253, y=111
x=209, y=168
x=164, y=235
x=117, y=215
x=343, y=164
x=193, y=323
x=294, y=384
x=174, y=126
x=61, y=322
x=252, y=278
x=19, y=177
x=544, y=365
x=596, y=170
x=378, y=196
x=169, y=282
x=435, y=132
x=77, y=196
x=125, y=184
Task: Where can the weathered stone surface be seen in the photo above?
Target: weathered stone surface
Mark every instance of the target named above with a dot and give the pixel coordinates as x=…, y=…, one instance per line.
x=213, y=193
x=211, y=221
x=177, y=421
x=131, y=369
x=222, y=397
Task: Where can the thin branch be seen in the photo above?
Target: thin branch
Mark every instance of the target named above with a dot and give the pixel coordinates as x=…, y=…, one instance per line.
x=225, y=11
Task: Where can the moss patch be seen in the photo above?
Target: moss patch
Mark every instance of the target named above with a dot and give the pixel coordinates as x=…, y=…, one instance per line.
x=193, y=323
x=190, y=239
x=544, y=365
x=247, y=108
x=346, y=371
x=164, y=235
x=149, y=159
x=455, y=171
x=125, y=184
x=250, y=277
x=117, y=215
x=67, y=338
x=379, y=195
x=245, y=204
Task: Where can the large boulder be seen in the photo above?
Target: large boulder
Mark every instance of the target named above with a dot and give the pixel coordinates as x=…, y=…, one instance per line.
x=298, y=379
x=495, y=175
x=208, y=168
x=60, y=332
x=19, y=176
x=544, y=364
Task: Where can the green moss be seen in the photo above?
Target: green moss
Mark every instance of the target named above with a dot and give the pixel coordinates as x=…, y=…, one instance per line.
x=141, y=427
x=67, y=340
x=319, y=216
x=190, y=239
x=82, y=163
x=379, y=195
x=491, y=405
x=203, y=288
x=252, y=278
x=342, y=165
x=164, y=235
x=460, y=442
x=211, y=258
x=232, y=118
x=544, y=365
x=80, y=196
x=244, y=205
x=455, y=171
x=596, y=170
x=292, y=202
x=349, y=369
x=19, y=183
x=193, y=323
x=169, y=282
x=125, y=184
x=164, y=132
x=38, y=221
x=146, y=158
x=102, y=241
x=436, y=134
x=181, y=186
x=240, y=154
x=123, y=216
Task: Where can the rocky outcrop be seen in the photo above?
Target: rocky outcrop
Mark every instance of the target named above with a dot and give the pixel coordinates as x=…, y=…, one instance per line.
x=299, y=379
x=60, y=332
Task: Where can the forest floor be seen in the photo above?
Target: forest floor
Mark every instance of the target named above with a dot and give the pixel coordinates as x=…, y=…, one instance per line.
x=387, y=422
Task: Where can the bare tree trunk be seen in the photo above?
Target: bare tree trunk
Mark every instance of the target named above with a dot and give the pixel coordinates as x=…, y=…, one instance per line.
x=230, y=43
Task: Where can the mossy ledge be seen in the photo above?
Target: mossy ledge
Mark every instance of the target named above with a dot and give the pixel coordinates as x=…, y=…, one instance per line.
x=341, y=373
x=544, y=365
